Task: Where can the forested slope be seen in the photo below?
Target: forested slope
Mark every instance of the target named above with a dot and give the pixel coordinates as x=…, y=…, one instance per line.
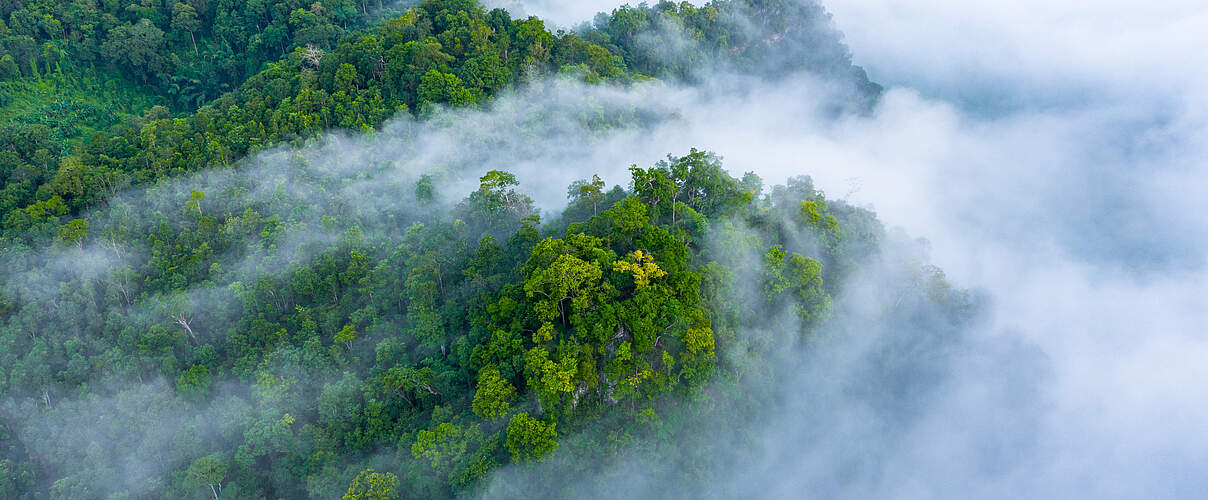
x=439, y=53
x=235, y=303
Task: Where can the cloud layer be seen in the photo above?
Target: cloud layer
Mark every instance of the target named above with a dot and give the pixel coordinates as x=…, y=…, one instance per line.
x=1054, y=157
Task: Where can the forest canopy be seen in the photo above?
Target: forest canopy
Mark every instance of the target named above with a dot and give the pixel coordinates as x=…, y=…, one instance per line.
x=178, y=256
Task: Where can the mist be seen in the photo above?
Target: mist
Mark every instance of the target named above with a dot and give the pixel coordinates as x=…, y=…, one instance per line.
x=1056, y=172
x=1053, y=159
x=548, y=133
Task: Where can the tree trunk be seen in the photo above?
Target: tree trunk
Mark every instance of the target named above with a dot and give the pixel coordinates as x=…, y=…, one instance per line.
x=182, y=321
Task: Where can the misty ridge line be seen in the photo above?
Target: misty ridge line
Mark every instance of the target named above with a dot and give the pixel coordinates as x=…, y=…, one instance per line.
x=338, y=171
x=330, y=177
x=598, y=109
x=334, y=180
x=272, y=184
x=1071, y=374
x=352, y=185
x=703, y=39
x=1075, y=214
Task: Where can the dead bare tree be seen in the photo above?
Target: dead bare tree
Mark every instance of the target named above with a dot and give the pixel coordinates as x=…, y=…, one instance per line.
x=312, y=56
x=183, y=321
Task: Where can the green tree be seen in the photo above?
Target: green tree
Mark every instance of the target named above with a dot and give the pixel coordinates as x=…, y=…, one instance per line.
x=194, y=383
x=445, y=445
x=491, y=399
x=184, y=18
x=802, y=277
x=530, y=439
x=209, y=471
x=588, y=192
x=370, y=485
x=436, y=87
x=412, y=384
x=194, y=203
x=496, y=202
x=138, y=47
x=346, y=335
x=8, y=67
x=346, y=78
x=74, y=232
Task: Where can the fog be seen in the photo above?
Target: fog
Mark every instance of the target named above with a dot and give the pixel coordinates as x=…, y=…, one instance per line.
x=1052, y=157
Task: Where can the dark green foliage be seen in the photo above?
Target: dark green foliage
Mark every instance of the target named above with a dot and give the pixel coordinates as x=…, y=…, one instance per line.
x=189, y=51
x=288, y=343
x=439, y=342
x=440, y=53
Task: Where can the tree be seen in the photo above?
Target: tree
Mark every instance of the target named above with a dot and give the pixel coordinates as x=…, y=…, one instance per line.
x=346, y=335
x=813, y=304
x=629, y=217
x=802, y=277
x=74, y=232
x=592, y=192
x=496, y=202
x=497, y=183
x=194, y=203
x=655, y=188
x=642, y=266
x=8, y=67
x=194, y=383
x=548, y=378
x=775, y=282
x=405, y=381
x=815, y=215
x=209, y=471
x=567, y=278
x=346, y=78
x=184, y=18
x=370, y=485
x=138, y=47
x=531, y=439
x=494, y=392
x=436, y=87
x=445, y=445
x=425, y=189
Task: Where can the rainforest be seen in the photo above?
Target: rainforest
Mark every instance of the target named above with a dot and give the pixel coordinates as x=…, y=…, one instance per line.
x=374, y=250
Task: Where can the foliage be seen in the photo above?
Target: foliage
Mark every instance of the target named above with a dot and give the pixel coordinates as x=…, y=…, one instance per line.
x=530, y=439
x=491, y=399
x=402, y=349
x=370, y=485
x=425, y=58
x=417, y=339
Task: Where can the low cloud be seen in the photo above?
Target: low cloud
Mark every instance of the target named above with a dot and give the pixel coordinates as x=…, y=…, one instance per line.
x=1053, y=157
x=1061, y=179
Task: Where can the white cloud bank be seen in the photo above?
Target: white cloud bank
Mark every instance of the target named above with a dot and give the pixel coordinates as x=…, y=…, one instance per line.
x=1055, y=156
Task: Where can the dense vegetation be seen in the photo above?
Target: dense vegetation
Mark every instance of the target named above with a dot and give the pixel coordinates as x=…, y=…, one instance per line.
x=271, y=337
x=439, y=53
x=84, y=71
x=443, y=52
x=185, y=51
x=452, y=347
